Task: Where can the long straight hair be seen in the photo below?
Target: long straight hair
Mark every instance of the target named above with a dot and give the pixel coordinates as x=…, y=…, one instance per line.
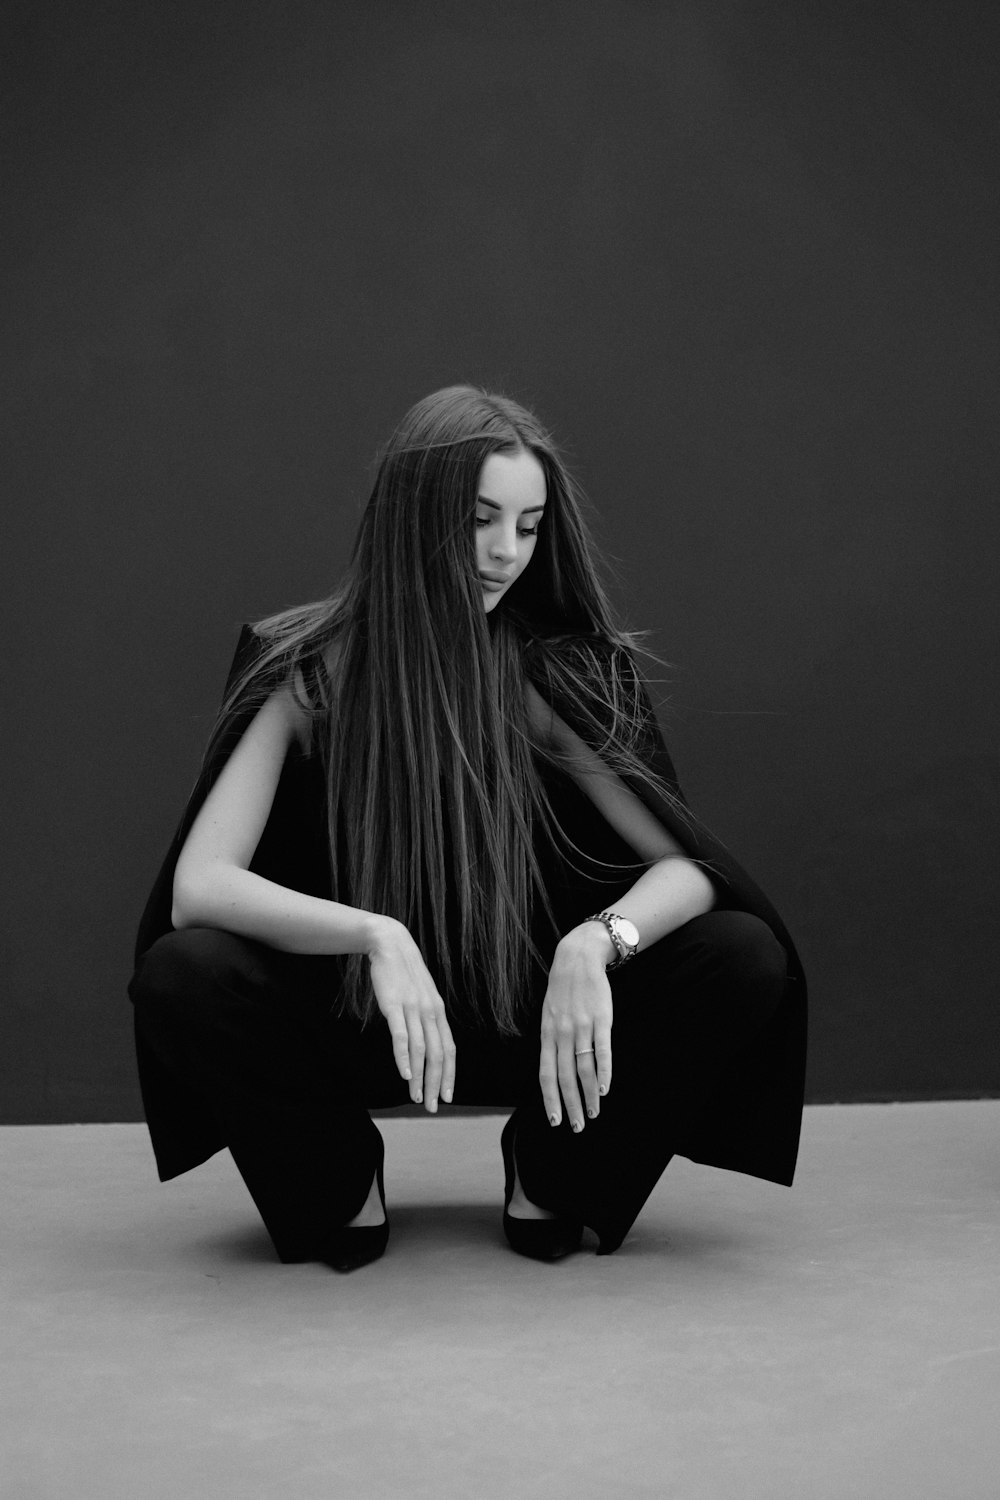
x=434, y=793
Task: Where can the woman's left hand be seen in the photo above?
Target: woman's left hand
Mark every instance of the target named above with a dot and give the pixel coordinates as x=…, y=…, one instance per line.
x=576, y=1027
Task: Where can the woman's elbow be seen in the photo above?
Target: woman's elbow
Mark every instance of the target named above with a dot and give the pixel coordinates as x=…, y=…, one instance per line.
x=179, y=916
x=187, y=899
x=704, y=893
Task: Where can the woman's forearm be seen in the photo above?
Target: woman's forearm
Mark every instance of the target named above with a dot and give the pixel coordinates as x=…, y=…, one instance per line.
x=239, y=901
x=671, y=892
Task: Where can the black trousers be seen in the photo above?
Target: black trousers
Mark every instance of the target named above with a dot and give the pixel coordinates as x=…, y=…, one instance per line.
x=250, y=1030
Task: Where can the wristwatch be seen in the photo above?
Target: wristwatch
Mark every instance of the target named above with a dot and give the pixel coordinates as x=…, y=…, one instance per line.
x=623, y=933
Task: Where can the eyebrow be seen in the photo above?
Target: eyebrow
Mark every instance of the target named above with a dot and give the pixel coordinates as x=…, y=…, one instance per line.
x=482, y=500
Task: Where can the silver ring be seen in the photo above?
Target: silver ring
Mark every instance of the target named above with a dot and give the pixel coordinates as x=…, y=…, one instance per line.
x=583, y=1051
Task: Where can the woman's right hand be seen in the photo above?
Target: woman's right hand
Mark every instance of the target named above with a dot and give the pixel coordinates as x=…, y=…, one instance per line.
x=407, y=996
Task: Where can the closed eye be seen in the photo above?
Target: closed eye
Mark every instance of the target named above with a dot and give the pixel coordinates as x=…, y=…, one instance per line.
x=488, y=522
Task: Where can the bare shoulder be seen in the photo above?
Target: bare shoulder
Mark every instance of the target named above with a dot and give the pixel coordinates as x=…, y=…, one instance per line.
x=540, y=715
x=294, y=698
x=625, y=811
x=288, y=700
x=332, y=657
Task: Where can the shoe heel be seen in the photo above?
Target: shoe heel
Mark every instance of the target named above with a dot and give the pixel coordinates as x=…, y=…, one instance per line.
x=349, y=1247
x=538, y=1239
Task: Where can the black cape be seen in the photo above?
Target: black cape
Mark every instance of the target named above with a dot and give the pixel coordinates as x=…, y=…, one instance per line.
x=755, y=1129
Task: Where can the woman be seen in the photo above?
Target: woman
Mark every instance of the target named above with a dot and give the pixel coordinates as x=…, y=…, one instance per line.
x=436, y=847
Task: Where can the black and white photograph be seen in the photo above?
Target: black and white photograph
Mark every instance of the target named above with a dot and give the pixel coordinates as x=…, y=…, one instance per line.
x=501, y=505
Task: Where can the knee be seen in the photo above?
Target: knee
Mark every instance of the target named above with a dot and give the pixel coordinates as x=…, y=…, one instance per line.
x=744, y=947
x=177, y=972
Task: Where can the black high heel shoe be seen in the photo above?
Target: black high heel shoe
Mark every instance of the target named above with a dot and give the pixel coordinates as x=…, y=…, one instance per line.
x=541, y=1239
x=349, y=1247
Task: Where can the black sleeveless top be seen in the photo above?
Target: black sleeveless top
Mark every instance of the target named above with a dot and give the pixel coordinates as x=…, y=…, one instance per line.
x=756, y=1132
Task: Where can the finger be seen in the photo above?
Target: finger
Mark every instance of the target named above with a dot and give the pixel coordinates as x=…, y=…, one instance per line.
x=586, y=1072
x=548, y=1079
x=566, y=1069
x=415, y=1043
x=450, y=1054
x=433, y=1061
x=602, y=1055
x=400, y=1043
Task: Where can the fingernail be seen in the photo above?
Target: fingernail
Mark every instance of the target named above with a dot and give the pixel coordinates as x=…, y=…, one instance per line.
x=577, y=1125
x=553, y=1119
x=446, y=1096
x=418, y=1097
x=592, y=1113
x=602, y=1090
x=407, y=1073
x=432, y=1105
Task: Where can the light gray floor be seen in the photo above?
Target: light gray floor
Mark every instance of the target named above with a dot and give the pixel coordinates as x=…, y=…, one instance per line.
x=839, y=1339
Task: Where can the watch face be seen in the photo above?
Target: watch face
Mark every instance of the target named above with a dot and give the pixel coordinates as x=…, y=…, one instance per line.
x=628, y=931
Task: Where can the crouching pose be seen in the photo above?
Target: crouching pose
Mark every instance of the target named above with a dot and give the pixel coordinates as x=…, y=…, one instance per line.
x=437, y=847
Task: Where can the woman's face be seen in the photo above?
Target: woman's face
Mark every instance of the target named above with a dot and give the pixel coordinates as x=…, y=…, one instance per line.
x=509, y=505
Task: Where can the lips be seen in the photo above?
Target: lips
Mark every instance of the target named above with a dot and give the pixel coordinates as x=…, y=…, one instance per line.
x=494, y=578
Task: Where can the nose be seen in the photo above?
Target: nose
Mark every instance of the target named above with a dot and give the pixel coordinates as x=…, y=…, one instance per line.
x=504, y=548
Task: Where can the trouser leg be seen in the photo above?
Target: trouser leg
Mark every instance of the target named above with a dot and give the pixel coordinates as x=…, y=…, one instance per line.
x=683, y=1012
x=226, y=1016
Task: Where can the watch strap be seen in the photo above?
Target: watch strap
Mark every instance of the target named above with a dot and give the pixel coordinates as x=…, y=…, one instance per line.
x=624, y=950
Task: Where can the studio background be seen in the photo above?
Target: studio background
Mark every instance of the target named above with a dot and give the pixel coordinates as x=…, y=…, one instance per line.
x=742, y=260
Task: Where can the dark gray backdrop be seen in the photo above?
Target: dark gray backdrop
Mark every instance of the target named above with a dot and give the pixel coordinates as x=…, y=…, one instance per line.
x=742, y=257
